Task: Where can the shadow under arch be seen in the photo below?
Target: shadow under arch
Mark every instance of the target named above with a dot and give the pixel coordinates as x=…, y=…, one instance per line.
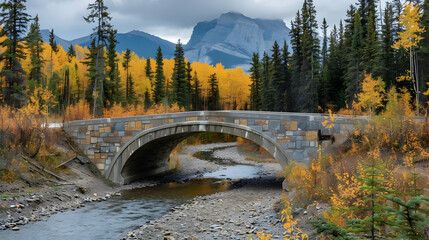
x=148, y=152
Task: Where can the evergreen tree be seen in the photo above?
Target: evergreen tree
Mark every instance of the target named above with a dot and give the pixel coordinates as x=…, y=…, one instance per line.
x=13, y=20
x=65, y=90
x=277, y=78
x=112, y=89
x=159, y=92
x=370, y=50
x=188, y=86
x=267, y=89
x=307, y=99
x=196, y=96
x=54, y=48
x=334, y=75
x=71, y=53
x=213, y=94
x=387, y=52
x=255, y=86
x=148, y=72
x=147, y=101
x=296, y=42
x=354, y=68
x=287, y=86
x=368, y=12
x=90, y=62
x=99, y=15
x=323, y=86
x=129, y=84
x=179, y=78
x=34, y=43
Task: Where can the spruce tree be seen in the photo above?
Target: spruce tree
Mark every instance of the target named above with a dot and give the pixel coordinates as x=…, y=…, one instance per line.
x=112, y=89
x=129, y=98
x=277, y=78
x=287, y=82
x=213, y=94
x=255, y=86
x=336, y=68
x=307, y=99
x=71, y=53
x=296, y=61
x=99, y=15
x=387, y=52
x=34, y=43
x=147, y=101
x=13, y=20
x=196, y=96
x=188, y=86
x=148, y=72
x=354, y=69
x=323, y=86
x=370, y=50
x=54, y=48
x=90, y=62
x=179, y=78
x=267, y=88
x=159, y=92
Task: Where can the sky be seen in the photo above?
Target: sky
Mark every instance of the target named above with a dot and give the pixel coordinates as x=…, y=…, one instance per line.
x=171, y=19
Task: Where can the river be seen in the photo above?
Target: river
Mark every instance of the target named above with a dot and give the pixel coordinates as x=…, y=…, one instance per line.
x=113, y=218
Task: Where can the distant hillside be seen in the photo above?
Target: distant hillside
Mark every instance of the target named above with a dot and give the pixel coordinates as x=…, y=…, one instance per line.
x=143, y=44
x=232, y=38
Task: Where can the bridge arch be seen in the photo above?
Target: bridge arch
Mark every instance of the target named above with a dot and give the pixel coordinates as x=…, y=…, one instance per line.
x=148, y=152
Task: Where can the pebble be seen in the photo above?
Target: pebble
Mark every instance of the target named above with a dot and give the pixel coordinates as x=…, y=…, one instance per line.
x=15, y=229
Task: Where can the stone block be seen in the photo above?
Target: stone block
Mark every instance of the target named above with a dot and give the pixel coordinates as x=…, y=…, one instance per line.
x=237, y=121
x=170, y=120
x=258, y=128
x=119, y=126
x=298, y=155
x=311, y=136
x=138, y=125
x=283, y=140
x=243, y=121
x=103, y=135
x=191, y=118
x=251, y=122
x=113, y=140
x=265, y=127
x=274, y=125
x=289, y=133
x=299, y=138
x=291, y=144
x=290, y=125
x=298, y=144
x=94, y=140
x=147, y=126
x=100, y=166
x=261, y=122
x=121, y=133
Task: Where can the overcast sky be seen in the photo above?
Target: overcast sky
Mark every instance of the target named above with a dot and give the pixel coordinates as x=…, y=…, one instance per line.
x=171, y=19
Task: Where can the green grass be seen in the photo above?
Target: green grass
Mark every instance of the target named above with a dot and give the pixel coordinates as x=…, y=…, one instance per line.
x=5, y=196
x=56, y=188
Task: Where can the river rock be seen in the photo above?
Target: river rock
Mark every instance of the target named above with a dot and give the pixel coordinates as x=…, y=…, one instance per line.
x=15, y=229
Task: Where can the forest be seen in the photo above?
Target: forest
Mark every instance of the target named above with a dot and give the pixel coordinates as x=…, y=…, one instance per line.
x=374, y=62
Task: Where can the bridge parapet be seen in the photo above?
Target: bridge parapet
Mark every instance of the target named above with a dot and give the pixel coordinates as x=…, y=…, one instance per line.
x=298, y=134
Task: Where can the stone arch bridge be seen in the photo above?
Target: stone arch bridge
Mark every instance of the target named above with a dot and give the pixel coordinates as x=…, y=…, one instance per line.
x=129, y=148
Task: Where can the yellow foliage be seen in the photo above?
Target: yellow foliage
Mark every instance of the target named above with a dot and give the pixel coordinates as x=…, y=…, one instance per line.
x=372, y=95
x=79, y=111
x=410, y=21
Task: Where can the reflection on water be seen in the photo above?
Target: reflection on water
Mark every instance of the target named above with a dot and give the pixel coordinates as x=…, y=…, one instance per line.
x=112, y=219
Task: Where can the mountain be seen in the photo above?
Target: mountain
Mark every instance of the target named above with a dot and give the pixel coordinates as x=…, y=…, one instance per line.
x=143, y=44
x=233, y=38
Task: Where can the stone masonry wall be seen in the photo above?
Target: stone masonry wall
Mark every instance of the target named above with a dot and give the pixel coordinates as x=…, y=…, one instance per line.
x=101, y=139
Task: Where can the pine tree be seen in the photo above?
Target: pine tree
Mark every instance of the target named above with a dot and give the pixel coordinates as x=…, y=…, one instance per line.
x=323, y=86
x=188, y=86
x=287, y=85
x=213, y=94
x=112, y=89
x=296, y=63
x=196, y=96
x=129, y=98
x=387, y=52
x=90, y=62
x=277, y=78
x=179, y=77
x=149, y=73
x=34, y=43
x=159, y=92
x=71, y=53
x=354, y=69
x=370, y=50
x=255, y=86
x=13, y=20
x=54, y=48
x=307, y=99
x=267, y=89
x=147, y=101
x=99, y=15
x=334, y=88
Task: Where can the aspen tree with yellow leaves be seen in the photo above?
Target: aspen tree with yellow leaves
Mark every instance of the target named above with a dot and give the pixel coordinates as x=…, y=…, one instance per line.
x=409, y=40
